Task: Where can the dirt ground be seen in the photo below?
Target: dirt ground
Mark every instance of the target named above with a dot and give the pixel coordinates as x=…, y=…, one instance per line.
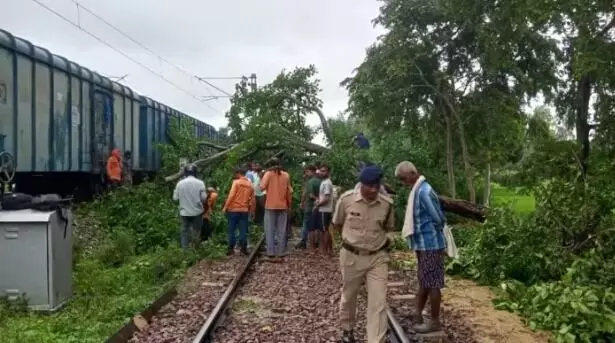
x=465, y=299
x=474, y=303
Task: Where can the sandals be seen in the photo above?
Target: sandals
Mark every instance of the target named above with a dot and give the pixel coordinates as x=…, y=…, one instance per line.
x=347, y=337
x=427, y=327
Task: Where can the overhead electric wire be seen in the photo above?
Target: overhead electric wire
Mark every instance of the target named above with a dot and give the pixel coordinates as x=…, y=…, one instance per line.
x=79, y=5
x=60, y=15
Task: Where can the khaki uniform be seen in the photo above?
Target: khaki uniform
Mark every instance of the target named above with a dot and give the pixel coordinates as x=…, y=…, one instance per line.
x=364, y=228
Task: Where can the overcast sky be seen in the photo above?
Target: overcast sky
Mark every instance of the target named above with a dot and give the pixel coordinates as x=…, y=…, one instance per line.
x=205, y=38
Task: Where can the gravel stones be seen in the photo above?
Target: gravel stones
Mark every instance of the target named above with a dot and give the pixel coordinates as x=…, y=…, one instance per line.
x=180, y=320
x=454, y=330
x=296, y=300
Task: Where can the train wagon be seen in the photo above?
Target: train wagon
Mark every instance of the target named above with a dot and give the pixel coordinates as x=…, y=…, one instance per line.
x=61, y=120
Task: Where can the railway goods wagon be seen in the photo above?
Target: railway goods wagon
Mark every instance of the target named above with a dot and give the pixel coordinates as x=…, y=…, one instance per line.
x=60, y=120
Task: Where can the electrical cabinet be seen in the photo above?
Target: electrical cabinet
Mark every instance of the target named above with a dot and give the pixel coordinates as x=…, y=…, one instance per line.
x=36, y=257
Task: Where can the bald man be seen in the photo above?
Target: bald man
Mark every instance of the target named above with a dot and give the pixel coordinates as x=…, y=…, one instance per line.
x=424, y=229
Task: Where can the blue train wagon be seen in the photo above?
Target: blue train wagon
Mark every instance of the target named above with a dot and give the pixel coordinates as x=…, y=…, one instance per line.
x=60, y=120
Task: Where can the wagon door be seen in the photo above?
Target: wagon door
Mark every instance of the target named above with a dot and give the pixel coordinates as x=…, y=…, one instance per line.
x=101, y=130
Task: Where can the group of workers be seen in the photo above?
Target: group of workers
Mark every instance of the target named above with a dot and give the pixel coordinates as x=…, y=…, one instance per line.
x=261, y=196
x=364, y=216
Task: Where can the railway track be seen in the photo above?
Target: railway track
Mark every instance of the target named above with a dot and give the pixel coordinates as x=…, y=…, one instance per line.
x=397, y=334
x=294, y=301
x=215, y=318
x=196, y=311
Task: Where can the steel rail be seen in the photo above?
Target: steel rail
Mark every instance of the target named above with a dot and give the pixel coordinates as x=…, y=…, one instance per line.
x=396, y=332
x=206, y=333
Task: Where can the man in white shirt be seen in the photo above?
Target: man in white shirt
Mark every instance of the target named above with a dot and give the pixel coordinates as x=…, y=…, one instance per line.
x=324, y=208
x=191, y=194
x=250, y=174
x=260, y=194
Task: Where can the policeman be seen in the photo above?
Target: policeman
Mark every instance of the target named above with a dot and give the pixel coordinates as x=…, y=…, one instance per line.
x=364, y=216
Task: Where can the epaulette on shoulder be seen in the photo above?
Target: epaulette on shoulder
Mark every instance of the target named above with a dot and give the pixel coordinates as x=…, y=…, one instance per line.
x=386, y=198
x=346, y=193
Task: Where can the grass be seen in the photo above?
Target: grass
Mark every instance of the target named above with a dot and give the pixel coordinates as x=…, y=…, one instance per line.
x=104, y=299
x=521, y=203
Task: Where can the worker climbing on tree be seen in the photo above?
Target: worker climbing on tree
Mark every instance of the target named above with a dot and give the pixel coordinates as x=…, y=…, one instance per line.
x=360, y=141
x=362, y=144
x=114, y=168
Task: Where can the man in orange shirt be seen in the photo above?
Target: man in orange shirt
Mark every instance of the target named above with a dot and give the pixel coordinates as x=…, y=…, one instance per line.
x=212, y=196
x=239, y=206
x=114, y=168
x=276, y=183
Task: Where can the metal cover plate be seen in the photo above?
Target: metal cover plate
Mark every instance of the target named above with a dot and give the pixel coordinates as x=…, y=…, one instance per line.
x=24, y=216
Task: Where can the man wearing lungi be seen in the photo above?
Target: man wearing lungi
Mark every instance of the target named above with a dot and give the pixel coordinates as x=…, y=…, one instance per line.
x=423, y=228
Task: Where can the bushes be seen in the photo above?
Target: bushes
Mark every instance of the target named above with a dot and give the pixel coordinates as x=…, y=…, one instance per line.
x=146, y=212
x=580, y=307
x=556, y=266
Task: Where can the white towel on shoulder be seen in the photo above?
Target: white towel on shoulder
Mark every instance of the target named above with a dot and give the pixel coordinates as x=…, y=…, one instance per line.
x=408, y=228
x=451, y=247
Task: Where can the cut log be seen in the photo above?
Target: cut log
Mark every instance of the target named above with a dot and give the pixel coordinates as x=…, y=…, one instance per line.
x=463, y=208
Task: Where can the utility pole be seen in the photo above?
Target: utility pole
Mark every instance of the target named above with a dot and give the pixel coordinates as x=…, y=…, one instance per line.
x=253, y=84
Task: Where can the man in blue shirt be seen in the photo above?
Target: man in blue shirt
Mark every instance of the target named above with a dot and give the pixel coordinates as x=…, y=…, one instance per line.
x=360, y=141
x=250, y=174
x=362, y=144
x=423, y=227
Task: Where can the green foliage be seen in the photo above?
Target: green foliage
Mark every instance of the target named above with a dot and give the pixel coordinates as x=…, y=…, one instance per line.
x=182, y=144
x=580, y=307
x=285, y=101
x=555, y=266
x=105, y=298
x=146, y=213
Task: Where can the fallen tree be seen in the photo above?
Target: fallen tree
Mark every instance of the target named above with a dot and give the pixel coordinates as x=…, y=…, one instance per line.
x=273, y=116
x=460, y=207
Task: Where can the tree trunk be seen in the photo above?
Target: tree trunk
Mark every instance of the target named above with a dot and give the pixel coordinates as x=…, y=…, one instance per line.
x=584, y=87
x=213, y=145
x=487, y=190
x=205, y=161
x=463, y=208
x=450, y=166
x=465, y=155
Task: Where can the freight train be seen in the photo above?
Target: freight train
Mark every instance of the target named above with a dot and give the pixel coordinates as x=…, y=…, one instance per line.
x=60, y=121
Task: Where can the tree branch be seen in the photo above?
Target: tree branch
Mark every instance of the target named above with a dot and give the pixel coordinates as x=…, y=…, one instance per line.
x=212, y=145
x=207, y=160
x=607, y=28
x=309, y=146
